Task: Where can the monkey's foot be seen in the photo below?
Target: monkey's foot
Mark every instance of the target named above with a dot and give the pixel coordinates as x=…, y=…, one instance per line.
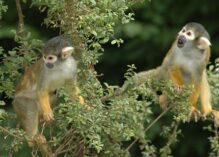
x=195, y=114
x=30, y=143
x=43, y=146
x=216, y=117
x=40, y=139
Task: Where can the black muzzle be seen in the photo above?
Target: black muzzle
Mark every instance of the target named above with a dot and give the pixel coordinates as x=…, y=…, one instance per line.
x=181, y=41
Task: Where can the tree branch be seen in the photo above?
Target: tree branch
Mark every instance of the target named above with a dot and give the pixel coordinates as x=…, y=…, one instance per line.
x=20, y=16
x=149, y=126
x=10, y=133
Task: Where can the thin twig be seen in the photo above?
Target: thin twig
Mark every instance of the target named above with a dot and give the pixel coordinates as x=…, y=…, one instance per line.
x=174, y=133
x=149, y=126
x=65, y=143
x=20, y=17
x=11, y=153
x=216, y=134
x=62, y=149
x=118, y=92
x=11, y=134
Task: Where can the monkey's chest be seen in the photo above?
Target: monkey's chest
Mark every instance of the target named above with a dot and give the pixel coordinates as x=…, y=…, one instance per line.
x=57, y=78
x=188, y=70
x=56, y=81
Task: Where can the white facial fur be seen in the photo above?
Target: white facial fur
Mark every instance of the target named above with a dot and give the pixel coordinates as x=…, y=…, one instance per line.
x=50, y=59
x=189, y=34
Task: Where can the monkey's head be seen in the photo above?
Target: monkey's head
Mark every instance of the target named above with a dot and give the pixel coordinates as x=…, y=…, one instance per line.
x=193, y=35
x=56, y=50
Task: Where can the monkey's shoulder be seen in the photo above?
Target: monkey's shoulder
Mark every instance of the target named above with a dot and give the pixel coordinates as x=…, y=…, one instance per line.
x=30, y=77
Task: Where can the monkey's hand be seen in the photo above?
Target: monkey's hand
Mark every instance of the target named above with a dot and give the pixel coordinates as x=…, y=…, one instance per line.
x=48, y=116
x=44, y=103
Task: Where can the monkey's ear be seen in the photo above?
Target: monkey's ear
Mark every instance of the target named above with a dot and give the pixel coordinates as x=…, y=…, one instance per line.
x=67, y=51
x=203, y=43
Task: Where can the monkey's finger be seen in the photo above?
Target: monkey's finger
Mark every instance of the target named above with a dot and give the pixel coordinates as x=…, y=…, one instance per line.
x=178, y=89
x=195, y=114
x=48, y=117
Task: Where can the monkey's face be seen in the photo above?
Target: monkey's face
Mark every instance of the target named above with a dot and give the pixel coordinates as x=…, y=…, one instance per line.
x=50, y=60
x=193, y=35
x=56, y=51
x=184, y=36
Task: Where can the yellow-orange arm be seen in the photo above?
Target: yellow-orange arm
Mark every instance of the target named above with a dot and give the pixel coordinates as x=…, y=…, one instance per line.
x=44, y=103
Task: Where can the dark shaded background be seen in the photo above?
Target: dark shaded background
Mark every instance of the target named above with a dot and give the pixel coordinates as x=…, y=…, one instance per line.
x=147, y=39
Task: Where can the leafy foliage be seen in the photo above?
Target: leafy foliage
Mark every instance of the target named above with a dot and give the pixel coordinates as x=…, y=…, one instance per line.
x=3, y=8
x=110, y=127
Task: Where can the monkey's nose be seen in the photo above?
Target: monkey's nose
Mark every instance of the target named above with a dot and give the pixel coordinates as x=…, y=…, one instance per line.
x=49, y=65
x=181, y=41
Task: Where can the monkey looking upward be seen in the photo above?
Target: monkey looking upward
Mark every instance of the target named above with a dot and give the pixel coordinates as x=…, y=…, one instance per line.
x=185, y=64
x=35, y=92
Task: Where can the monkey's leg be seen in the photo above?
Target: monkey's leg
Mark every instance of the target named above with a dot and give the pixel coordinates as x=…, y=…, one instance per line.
x=28, y=113
x=206, y=100
x=193, y=100
x=177, y=78
x=205, y=95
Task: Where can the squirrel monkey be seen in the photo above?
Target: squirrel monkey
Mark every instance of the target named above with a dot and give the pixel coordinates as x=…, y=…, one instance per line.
x=185, y=64
x=35, y=93
x=186, y=61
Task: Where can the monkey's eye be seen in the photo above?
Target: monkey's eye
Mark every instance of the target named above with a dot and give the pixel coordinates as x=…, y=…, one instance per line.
x=50, y=59
x=183, y=30
x=189, y=33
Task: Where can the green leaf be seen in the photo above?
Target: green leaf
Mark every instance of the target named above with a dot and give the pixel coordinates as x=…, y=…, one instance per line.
x=2, y=103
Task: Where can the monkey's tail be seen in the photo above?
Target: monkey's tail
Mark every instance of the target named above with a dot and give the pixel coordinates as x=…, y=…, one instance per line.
x=141, y=78
x=136, y=80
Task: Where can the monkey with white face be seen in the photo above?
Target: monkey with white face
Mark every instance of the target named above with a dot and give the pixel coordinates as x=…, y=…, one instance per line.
x=185, y=64
x=35, y=92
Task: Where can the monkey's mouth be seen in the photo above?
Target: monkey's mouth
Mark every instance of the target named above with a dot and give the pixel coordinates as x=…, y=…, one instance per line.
x=181, y=41
x=49, y=65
